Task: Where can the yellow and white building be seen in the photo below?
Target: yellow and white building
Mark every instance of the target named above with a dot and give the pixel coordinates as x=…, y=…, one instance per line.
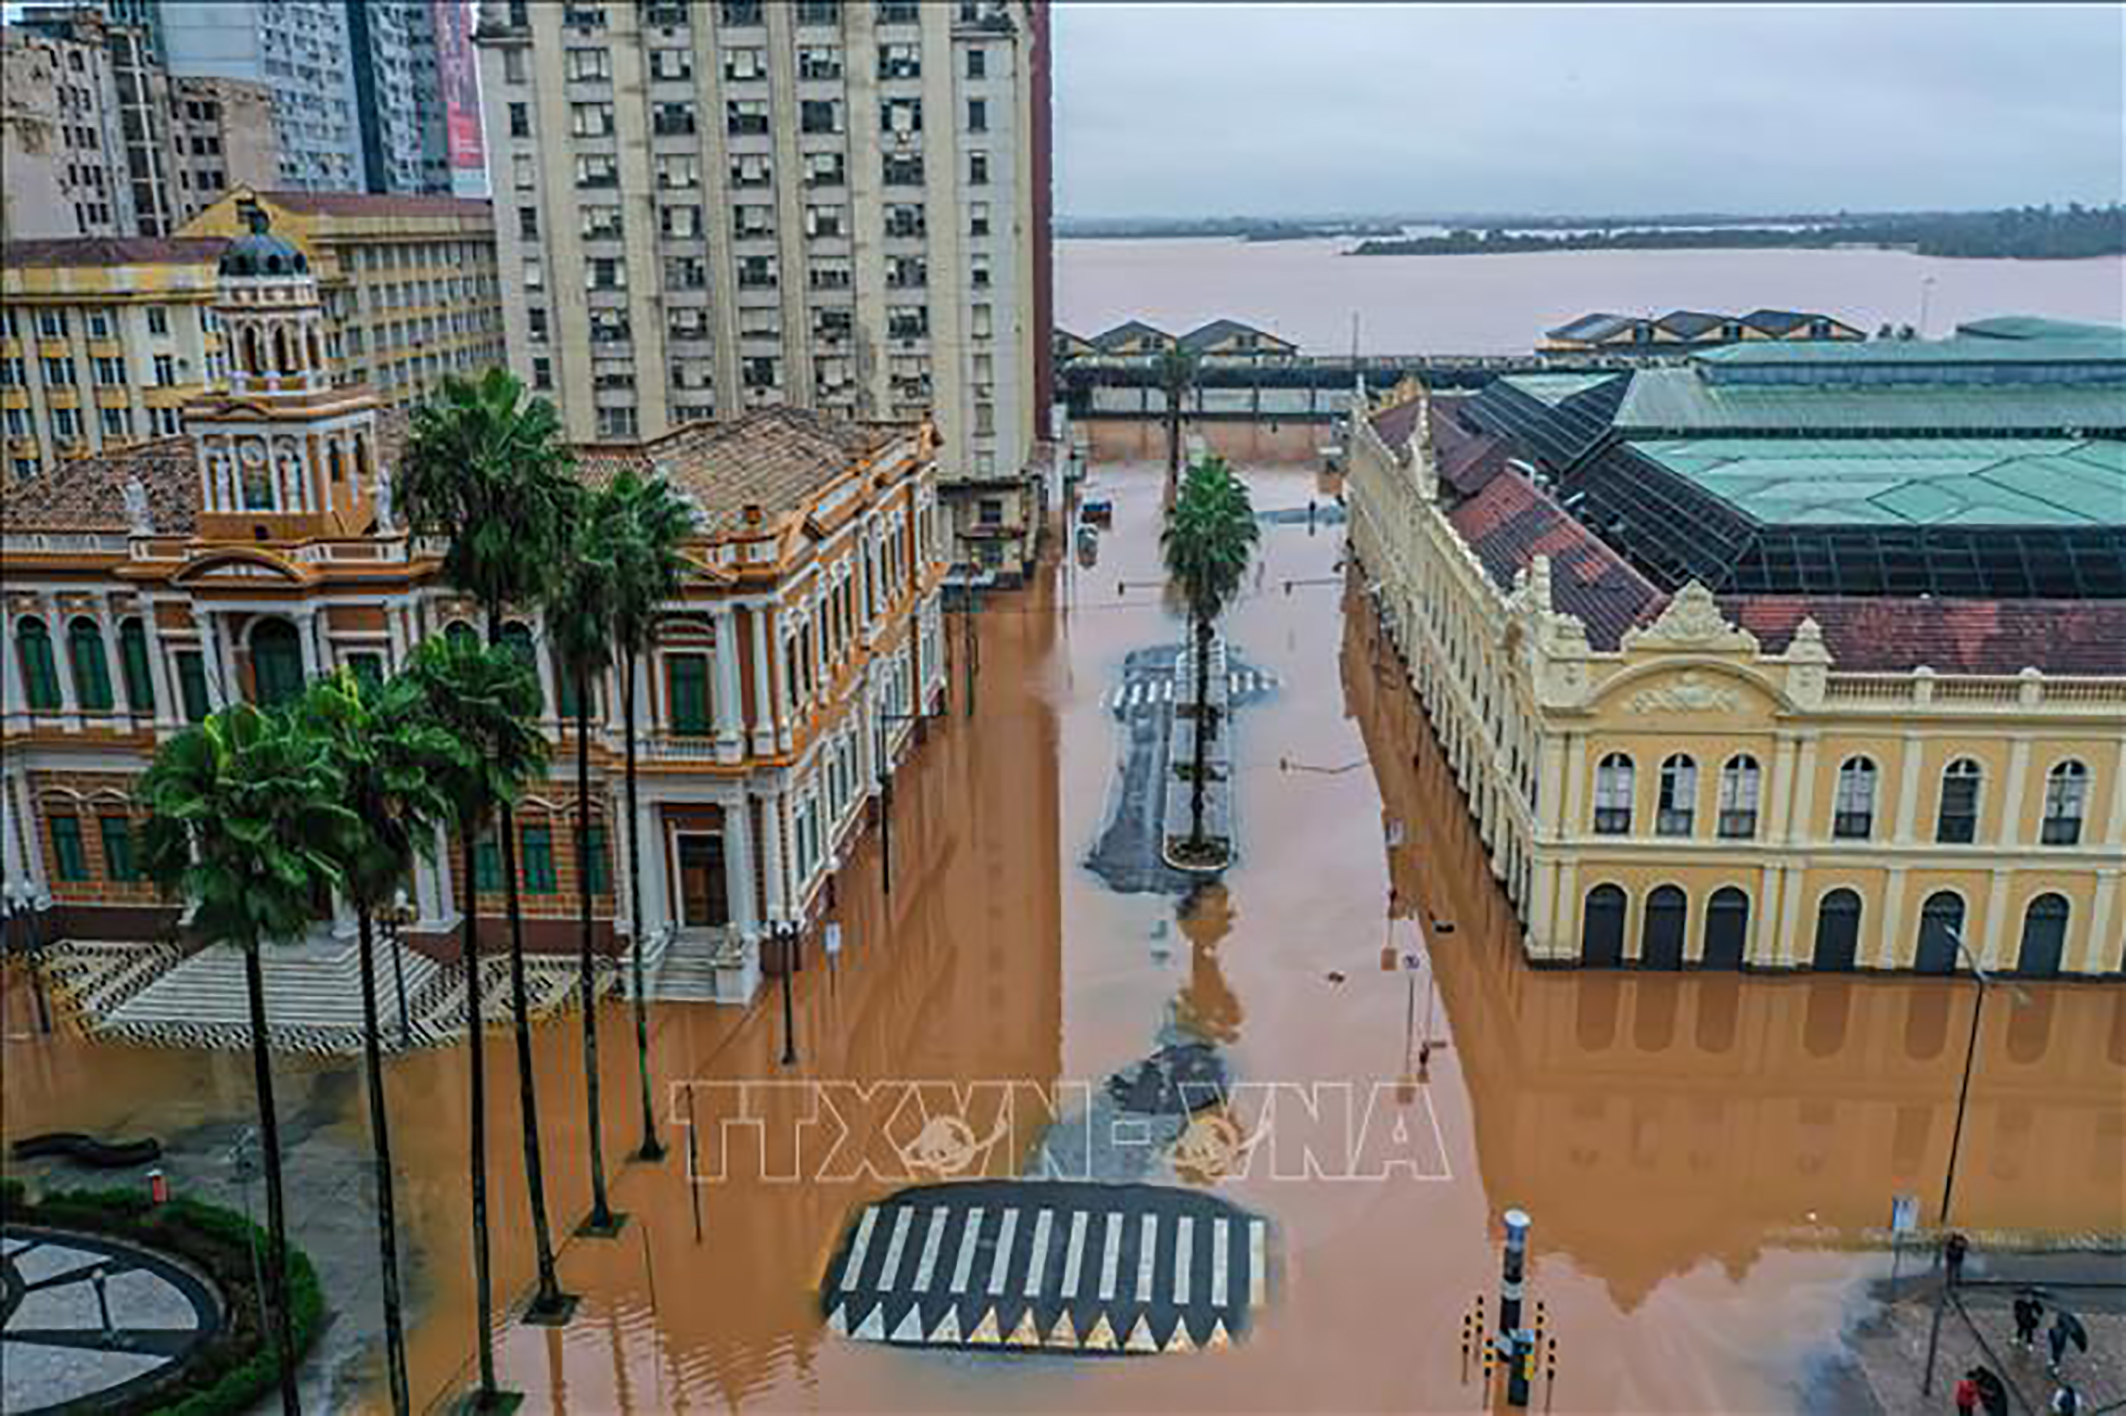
x=1768, y=777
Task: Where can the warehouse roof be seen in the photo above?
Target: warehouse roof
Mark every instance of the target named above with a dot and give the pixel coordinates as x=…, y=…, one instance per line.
x=1679, y=400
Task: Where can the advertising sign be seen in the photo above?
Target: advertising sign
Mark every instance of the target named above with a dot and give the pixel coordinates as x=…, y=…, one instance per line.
x=459, y=71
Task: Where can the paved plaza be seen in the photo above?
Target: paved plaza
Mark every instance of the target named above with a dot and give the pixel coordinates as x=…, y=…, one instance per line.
x=90, y=1317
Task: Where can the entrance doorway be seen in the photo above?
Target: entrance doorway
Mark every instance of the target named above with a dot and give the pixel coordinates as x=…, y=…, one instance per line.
x=704, y=893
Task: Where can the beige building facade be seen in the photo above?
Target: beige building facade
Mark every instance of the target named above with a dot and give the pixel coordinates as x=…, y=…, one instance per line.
x=1658, y=784
x=62, y=141
x=705, y=209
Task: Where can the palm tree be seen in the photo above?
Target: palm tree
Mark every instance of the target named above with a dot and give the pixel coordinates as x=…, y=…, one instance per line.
x=579, y=627
x=649, y=522
x=1210, y=534
x=391, y=764
x=485, y=700
x=1176, y=372
x=489, y=471
x=244, y=811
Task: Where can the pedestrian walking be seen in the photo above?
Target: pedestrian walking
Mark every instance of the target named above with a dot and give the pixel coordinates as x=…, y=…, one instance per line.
x=2028, y=1314
x=1953, y=1257
x=2057, y=1338
x=1967, y=1394
x=2066, y=1401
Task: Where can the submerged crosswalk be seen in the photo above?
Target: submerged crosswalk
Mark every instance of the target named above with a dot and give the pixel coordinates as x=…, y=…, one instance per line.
x=1150, y=692
x=1050, y=1264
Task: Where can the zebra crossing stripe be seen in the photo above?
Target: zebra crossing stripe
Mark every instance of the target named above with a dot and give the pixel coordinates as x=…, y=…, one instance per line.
x=1038, y=1267
x=931, y=1241
x=1147, y=1251
x=854, y=1269
x=1002, y=1263
x=1110, y=1256
x=1220, y=1258
x=890, y=1274
x=1184, y=1247
x=1258, y=1250
x=1074, y=1253
x=969, y=1236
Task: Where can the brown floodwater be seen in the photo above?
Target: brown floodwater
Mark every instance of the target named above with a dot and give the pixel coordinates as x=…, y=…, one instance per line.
x=1701, y=1155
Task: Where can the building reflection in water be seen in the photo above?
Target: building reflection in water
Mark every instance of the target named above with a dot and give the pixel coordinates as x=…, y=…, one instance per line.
x=1652, y=1121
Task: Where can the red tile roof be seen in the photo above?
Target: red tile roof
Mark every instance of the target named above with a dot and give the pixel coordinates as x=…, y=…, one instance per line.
x=89, y=494
x=1394, y=425
x=1467, y=457
x=1947, y=635
x=82, y=251
x=376, y=204
x=1509, y=523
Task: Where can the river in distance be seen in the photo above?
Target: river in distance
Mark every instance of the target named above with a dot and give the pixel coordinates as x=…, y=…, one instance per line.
x=1309, y=291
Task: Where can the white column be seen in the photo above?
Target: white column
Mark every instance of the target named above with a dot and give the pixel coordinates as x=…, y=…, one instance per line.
x=763, y=685
x=2098, y=933
x=1765, y=920
x=1989, y=954
x=730, y=724
x=2013, y=810
x=11, y=662
x=62, y=661
x=549, y=680
x=1893, y=912
x=1790, y=916
x=113, y=663
x=306, y=635
x=1909, y=759
x=395, y=625
x=771, y=852
x=431, y=881
x=656, y=900
x=738, y=867
x=169, y=713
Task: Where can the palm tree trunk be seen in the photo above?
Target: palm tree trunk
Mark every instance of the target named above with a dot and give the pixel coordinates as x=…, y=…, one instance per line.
x=387, y=1228
x=652, y=1148
x=548, y=1299
x=1173, y=438
x=601, y=1212
x=269, y=1145
x=476, y=1057
x=1204, y=728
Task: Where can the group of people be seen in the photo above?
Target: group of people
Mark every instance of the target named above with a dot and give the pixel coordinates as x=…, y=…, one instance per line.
x=1981, y=1388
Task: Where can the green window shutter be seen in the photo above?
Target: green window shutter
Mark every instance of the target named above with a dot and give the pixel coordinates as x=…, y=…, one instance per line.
x=40, y=676
x=276, y=664
x=518, y=640
x=565, y=697
x=461, y=633
x=596, y=861
x=689, y=674
x=92, y=673
x=368, y=670
x=133, y=657
x=118, y=860
x=73, y=863
x=539, y=860
x=192, y=684
x=487, y=865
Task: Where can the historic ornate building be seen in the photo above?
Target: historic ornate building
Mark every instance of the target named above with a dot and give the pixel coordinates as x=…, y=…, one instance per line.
x=257, y=548
x=1813, y=657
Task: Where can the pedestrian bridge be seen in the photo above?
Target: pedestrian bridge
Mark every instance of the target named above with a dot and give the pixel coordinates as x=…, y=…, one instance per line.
x=1057, y=1265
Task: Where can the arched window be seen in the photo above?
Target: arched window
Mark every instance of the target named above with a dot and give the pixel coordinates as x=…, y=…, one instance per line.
x=317, y=359
x=2044, y=937
x=1661, y=935
x=1727, y=929
x=92, y=672
x=283, y=356
x=1957, y=822
x=517, y=639
x=1941, y=927
x=276, y=663
x=1679, y=796
x=133, y=659
x=40, y=675
x=335, y=462
x=2066, y=796
x=1602, y=930
x=1854, y=817
x=1837, y=932
x=460, y=633
x=1613, y=788
x=1739, y=785
x=254, y=362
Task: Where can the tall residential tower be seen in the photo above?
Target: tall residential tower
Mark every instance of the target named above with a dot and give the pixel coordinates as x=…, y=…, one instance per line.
x=707, y=208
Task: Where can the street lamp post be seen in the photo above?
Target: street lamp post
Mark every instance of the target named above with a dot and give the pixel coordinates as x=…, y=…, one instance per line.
x=19, y=903
x=785, y=935
x=885, y=795
x=396, y=917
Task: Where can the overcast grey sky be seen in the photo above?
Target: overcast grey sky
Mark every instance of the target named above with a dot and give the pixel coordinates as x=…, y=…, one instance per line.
x=1213, y=109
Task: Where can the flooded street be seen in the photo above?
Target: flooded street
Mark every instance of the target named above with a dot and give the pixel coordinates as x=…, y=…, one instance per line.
x=1700, y=1155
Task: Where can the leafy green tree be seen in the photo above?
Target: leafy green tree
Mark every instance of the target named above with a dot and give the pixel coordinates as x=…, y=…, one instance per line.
x=1176, y=370
x=484, y=699
x=579, y=628
x=489, y=471
x=245, y=815
x=1209, y=538
x=391, y=763
x=649, y=522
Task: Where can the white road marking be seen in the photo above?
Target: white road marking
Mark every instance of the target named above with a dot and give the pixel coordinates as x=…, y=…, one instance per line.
x=1258, y=1250
x=1221, y=1260
x=1039, y=1266
x=891, y=1272
x=1184, y=1245
x=1147, y=1250
x=1074, y=1253
x=1110, y=1255
x=1002, y=1264
x=969, y=1237
x=854, y=1269
x=931, y=1240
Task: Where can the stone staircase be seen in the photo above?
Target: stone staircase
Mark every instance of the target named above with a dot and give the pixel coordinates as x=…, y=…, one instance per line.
x=697, y=966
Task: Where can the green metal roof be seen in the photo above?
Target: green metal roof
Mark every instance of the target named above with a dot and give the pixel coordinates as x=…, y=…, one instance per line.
x=2036, y=327
x=2102, y=347
x=1680, y=400
x=1906, y=481
x=1554, y=389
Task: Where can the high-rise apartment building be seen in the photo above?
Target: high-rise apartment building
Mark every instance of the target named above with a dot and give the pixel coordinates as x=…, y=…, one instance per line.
x=398, y=95
x=62, y=136
x=707, y=208
x=300, y=50
x=221, y=138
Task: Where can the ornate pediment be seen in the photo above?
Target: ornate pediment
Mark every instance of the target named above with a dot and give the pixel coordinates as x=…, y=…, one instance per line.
x=239, y=566
x=1692, y=621
x=1687, y=692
